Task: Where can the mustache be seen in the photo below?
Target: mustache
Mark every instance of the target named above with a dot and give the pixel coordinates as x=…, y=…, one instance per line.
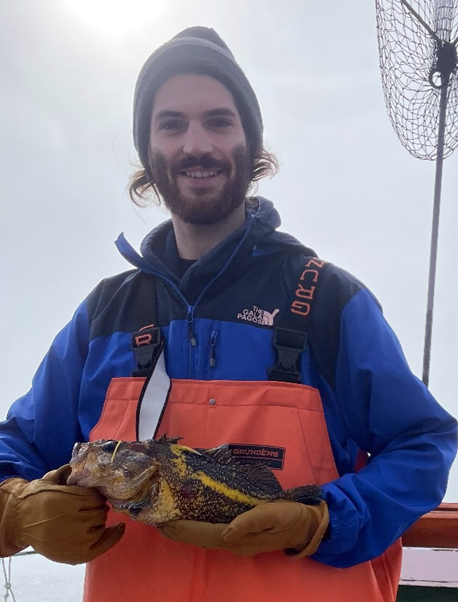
x=205, y=161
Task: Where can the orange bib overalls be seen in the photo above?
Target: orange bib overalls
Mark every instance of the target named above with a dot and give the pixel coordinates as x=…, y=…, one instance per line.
x=146, y=567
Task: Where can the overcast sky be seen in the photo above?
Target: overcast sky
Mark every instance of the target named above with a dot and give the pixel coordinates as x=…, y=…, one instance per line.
x=346, y=187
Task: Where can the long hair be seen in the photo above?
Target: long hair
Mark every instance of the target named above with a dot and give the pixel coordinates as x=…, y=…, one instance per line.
x=143, y=191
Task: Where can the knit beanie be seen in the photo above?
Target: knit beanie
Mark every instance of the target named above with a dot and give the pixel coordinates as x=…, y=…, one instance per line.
x=197, y=50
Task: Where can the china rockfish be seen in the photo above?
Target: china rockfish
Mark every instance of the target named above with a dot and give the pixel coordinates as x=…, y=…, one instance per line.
x=157, y=481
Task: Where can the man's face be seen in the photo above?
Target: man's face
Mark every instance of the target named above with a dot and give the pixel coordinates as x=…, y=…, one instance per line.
x=198, y=153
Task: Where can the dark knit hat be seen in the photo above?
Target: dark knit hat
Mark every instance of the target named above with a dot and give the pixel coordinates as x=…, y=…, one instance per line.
x=194, y=50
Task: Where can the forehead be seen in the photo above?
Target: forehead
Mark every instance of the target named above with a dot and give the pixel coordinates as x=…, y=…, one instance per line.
x=189, y=93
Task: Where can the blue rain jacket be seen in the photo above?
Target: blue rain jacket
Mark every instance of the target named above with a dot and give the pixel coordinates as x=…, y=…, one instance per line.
x=217, y=320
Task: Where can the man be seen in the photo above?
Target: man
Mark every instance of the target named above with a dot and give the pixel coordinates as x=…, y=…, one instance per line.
x=268, y=349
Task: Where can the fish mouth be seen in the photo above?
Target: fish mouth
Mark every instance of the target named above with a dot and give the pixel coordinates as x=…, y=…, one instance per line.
x=80, y=474
x=80, y=477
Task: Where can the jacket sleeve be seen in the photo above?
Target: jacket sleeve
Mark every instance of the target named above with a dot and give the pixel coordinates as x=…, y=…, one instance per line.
x=411, y=440
x=42, y=426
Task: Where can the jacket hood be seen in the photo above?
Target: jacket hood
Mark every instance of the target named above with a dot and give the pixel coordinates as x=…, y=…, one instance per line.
x=257, y=236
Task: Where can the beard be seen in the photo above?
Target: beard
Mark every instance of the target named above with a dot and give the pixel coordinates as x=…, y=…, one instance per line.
x=202, y=208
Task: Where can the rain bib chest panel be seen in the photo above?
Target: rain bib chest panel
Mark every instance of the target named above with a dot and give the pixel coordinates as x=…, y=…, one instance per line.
x=280, y=418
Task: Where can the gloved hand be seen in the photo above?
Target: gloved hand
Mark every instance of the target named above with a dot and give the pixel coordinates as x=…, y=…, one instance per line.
x=282, y=525
x=63, y=523
x=198, y=533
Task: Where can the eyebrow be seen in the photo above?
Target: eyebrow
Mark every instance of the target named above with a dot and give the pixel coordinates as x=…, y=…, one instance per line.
x=223, y=112
x=165, y=113
x=220, y=112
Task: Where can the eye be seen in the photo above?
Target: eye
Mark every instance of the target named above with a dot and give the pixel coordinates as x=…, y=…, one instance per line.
x=219, y=122
x=109, y=446
x=172, y=125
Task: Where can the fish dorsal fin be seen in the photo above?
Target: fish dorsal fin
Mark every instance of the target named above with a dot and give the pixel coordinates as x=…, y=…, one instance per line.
x=261, y=475
x=167, y=440
x=255, y=472
x=192, y=450
x=221, y=454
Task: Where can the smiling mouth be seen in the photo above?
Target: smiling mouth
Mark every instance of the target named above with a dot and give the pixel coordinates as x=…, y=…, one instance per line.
x=200, y=173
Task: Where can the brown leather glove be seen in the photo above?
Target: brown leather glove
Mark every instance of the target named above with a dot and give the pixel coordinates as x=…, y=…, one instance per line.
x=63, y=523
x=296, y=528
x=198, y=533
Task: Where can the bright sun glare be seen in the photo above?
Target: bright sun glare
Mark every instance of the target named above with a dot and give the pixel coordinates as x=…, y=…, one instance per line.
x=116, y=16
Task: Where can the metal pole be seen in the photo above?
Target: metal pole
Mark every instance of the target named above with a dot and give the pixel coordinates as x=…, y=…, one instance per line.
x=435, y=231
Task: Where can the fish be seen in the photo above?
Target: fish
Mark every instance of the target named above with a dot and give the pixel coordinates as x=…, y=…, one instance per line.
x=155, y=481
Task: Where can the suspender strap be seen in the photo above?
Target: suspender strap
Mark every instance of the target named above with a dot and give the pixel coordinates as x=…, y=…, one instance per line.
x=288, y=344
x=290, y=336
x=153, y=398
x=147, y=344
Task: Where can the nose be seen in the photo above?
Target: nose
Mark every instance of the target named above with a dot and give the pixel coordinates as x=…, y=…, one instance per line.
x=197, y=141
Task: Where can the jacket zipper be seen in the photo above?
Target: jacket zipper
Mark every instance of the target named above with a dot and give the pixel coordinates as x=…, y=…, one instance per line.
x=191, y=308
x=212, y=356
x=191, y=338
x=143, y=265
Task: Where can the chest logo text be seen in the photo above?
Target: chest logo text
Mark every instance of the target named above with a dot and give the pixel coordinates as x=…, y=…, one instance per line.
x=273, y=457
x=258, y=316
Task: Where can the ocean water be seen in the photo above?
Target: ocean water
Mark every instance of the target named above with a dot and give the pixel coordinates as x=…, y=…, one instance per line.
x=36, y=579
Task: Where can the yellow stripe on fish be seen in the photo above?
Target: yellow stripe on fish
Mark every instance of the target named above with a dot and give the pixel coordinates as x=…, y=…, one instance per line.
x=233, y=494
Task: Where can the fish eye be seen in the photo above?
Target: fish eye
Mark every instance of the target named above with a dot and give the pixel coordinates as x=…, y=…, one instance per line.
x=109, y=446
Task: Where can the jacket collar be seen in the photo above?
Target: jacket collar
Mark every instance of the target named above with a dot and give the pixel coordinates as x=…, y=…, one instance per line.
x=258, y=236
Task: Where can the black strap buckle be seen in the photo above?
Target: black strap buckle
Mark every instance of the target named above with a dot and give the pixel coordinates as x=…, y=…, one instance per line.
x=289, y=344
x=147, y=344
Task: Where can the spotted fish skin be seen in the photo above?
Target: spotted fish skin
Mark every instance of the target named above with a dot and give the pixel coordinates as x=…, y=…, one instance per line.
x=155, y=481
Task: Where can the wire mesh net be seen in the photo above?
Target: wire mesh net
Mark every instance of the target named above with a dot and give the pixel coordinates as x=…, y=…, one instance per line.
x=418, y=59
